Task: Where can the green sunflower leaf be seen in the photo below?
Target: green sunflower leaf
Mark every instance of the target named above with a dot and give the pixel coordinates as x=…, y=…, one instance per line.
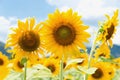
x=38, y=71
x=14, y=76
x=88, y=71
x=74, y=61
x=117, y=75
x=24, y=60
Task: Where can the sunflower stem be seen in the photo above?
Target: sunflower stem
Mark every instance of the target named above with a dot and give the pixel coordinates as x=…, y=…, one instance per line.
x=61, y=69
x=25, y=72
x=89, y=59
x=91, y=53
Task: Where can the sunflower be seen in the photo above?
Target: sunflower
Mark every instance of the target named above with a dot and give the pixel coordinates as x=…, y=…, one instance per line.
x=111, y=70
x=102, y=51
x=4, y=71
x=103, y=72
x=53, y=65
x=116, y=63
x=25, y=39
x=3, y=60
x=17, y=65
x=108, y=29
x=63, y=33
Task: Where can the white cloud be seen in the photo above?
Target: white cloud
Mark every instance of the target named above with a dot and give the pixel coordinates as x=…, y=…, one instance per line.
x=87, y=8
x=94, y=8
x=5, y=25
x=61, y=3
x=116, y=38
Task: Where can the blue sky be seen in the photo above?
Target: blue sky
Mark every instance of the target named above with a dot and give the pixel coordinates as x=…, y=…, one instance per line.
x=91, y=11
x=25, y=8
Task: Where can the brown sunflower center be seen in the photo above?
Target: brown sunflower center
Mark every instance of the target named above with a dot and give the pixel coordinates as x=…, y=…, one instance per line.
x=20, y=65
x=1, y=62
x=98, y=74
x=117, y=64
x=29, y=41
x=51, y=67
x=102, y=55
x=64, y=35
x=64, y=65
x=80, y=63
x=110, y=31
x=110, y=73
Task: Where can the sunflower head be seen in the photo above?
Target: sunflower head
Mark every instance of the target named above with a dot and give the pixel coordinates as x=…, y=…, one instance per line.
x=102, y=51
x=25, y=39
x=53, y=65
x=3, y=60
x=103, y=71
x=117, y=63
x=65, y=32
x=17, y=65
x=111, y=71
x=4, y=71
x=109, y=28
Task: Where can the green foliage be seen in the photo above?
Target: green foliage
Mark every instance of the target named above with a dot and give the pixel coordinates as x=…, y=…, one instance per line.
x=117, y=75
x=101, y=30
x=37, y=72
x=14, y=76
x=87, y=70
x=74, y=61
x=74, y=73
x=23, y=61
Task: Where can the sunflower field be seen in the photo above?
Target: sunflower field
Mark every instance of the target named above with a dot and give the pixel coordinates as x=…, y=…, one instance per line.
x=55, y=49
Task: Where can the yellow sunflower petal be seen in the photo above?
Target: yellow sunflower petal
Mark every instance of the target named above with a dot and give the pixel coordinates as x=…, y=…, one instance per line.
x=32, y=23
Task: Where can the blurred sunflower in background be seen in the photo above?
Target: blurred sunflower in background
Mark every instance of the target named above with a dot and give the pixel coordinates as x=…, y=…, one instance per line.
x=111, y=70
x=108, y=29
x=102, y=51
x=102, y=72
x=25, y=39
x=3, y=60
x=53, y=65
x=63, y=34
x=4, y=70
x=17, y=65
x=116, y=63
